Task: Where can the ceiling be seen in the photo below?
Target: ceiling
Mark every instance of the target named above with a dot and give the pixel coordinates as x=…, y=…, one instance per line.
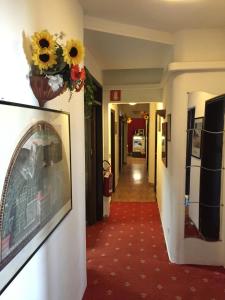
x=134, y=111
x=124, y=57
x=120, y=52
x=125, y=60
x=132, y=76
x=166, y=15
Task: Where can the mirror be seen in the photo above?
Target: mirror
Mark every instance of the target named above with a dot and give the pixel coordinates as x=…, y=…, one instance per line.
x=204, y=167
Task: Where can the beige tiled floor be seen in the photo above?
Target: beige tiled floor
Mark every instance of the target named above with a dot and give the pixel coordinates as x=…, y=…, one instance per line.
x=133, y=183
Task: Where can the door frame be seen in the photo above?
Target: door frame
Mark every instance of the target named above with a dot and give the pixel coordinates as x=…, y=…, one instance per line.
x=190, y=125
x=147, y=142
x=94, y=156
x=113, y=158
x=121, y=143
x=158, y=113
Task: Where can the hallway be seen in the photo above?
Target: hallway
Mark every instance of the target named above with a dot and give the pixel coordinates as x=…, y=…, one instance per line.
x=133, y=185
x=127, y=257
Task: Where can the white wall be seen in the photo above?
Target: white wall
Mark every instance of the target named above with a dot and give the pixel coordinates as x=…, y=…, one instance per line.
x=173, y=178
x=198, y=65
x=93, y=65
x=151, y=149
x=58, y=270
x=200, y=45
x=135, y=93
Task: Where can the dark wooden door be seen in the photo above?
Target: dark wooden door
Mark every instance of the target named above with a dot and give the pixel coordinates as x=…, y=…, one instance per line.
x=211, y=169
x=90, y=168
x=113, y=146
x=94, y=157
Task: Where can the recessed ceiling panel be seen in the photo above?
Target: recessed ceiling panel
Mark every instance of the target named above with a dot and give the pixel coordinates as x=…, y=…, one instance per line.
x=119, y=52
x=166, y=15
x=132, y=76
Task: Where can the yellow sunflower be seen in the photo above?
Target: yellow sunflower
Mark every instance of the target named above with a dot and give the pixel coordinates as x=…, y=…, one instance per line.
x=43, y=40
x=44, y=59
x=73, y=52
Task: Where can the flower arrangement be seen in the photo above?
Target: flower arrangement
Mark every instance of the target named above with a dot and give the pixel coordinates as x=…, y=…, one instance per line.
x=129, y=120
x=55, y=67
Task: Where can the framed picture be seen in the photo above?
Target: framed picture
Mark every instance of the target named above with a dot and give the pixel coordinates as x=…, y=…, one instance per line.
x=164, y=143
x=196, y=137
x=35, y=181
x=169, y=127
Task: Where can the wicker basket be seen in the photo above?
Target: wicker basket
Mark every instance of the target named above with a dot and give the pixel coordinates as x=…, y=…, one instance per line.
x=42, y=91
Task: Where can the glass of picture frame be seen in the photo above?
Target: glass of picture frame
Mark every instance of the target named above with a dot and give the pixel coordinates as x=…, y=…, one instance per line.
x=35, y=181
x=164, y=143
x=196, y=137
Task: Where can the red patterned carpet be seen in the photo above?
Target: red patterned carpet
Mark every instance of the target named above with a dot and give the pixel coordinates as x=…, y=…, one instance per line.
x=127, y=260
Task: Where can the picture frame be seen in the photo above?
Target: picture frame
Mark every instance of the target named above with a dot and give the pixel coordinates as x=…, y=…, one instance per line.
x=196, y=137
x=35, y=182
x=169, y=127
x=164, y=144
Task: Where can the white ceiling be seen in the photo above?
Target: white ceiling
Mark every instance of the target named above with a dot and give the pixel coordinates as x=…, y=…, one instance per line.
x=119, y=52
x=166, y=15
x=132, y=76
x=134, y=111
x=125, y=48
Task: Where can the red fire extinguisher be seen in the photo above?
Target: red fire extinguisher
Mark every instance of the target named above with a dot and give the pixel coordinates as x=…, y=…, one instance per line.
x=107, y=179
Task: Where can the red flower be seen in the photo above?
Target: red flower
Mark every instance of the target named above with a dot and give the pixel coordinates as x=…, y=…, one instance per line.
x=77, y=74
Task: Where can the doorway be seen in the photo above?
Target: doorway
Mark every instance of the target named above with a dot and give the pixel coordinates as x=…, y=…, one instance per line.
x=94, y=155
x=129, y=143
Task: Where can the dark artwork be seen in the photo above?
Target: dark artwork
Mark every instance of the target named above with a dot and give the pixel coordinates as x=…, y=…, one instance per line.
x=196, y=137
x=169, y=127
x=164, y=143
x=36, y=187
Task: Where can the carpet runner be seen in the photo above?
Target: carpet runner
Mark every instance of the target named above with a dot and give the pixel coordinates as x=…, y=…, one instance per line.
x=127, y=260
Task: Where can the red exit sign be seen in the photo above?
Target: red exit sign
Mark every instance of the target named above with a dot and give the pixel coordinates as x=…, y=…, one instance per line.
x=115, y=95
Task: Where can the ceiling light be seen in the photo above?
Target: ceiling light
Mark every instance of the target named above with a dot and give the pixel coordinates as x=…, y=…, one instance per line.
x=137, y=176
x=132, y=103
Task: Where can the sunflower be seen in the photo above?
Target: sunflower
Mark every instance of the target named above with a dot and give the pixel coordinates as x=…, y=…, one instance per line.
x=73, y=52
x=43, y=40
x=44, y=59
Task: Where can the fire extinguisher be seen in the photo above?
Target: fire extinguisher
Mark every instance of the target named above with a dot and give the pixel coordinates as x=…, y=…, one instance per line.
x=107, y=179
